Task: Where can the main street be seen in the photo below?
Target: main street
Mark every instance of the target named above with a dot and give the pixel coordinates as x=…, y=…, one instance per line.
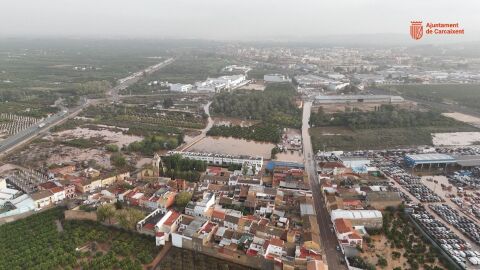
x=327, y=236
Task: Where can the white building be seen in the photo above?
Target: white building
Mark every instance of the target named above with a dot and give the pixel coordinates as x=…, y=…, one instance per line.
x=3, y=183
x=220, y=83
x=166, y=226
x=273, y=78
x=219, y=159
x=185, y=232
x=42, y=198
x=58, y=194
x=366, y=218
x=178, y=87
x=200, y=209
x=384, y=99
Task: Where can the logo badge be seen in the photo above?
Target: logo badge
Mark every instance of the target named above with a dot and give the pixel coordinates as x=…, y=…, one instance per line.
x=416, y=30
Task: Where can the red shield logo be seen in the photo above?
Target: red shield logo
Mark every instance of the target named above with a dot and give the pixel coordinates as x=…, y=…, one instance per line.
x=416, y=30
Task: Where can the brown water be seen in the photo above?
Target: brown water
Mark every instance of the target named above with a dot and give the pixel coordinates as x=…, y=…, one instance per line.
x=232, y=146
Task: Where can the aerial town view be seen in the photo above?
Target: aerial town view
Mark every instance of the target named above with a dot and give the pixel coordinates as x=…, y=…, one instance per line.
x=235, y=135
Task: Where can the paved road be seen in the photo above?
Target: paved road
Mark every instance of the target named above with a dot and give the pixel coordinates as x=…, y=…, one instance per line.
x=328, y=238
x=31, y=132
x=204, y=131
x=27, y=134
x=135, y=77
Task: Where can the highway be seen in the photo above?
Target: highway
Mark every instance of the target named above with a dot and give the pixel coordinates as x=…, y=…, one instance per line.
x=135, y=77
x=327, y=236
x=31, y=132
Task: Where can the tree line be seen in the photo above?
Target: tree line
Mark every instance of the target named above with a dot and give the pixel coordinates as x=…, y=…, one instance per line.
x=175, y=166
x=273, y=105
x=259, y=132
x=154, y=143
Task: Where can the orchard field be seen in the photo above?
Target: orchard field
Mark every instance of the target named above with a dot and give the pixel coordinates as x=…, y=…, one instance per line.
x=37, y=242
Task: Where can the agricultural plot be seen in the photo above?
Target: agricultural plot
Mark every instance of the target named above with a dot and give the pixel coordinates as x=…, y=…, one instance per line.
x=11, y=124
x=463, y=94
x=36, y=243
x=386, y=127
x=178, y=259
x=398, y=245
x=333, y=138
x=145, y=120
x=192, y=67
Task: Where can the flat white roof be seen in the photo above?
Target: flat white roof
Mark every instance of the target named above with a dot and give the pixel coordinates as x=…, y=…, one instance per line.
x=355, y=214
x=428, y=157
x=355, y=97
x=9, y=191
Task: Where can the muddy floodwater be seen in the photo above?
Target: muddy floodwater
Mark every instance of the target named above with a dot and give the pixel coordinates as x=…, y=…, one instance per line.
x=232, y=146
x=104, y=132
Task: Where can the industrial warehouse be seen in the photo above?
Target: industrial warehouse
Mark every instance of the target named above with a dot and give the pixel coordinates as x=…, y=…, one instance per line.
x=441, y=160
x=338, y=99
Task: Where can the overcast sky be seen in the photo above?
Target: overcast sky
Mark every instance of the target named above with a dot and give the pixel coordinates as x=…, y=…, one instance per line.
x=229, y=19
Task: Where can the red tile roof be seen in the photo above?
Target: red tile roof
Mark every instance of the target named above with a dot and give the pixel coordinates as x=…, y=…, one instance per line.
x=352, y=203
x=48, y=185
x=343, y=225
x=252, y=252
x=174, y=216
x=354, y=235
x=149, y=226
x=208, y=227
x=56, y=189
x=277, y=242
x=217, y=214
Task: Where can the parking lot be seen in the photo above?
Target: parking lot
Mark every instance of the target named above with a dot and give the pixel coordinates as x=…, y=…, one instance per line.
x=460, y=250
x=459, y=236
x=463, y=224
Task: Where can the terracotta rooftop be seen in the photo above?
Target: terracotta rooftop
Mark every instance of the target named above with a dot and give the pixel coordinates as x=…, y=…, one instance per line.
x=56, y=189
x=343, y=225
x=277, y=242
x=48, y=185
x=217, y=214
x=174, y=216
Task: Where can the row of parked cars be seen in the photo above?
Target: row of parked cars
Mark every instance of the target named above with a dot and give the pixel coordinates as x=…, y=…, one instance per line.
x=412, y=183
x=458, y=249
x=465, y=178
x=462, y=223
x=459, y=151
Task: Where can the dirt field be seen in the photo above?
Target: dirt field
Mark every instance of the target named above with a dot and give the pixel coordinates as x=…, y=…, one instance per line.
x=105, y=133
x=46, y=152
x=382, y=248
x=456, y=138
x=469, y=119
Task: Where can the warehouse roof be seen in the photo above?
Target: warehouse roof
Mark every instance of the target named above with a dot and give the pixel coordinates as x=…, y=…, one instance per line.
x=431, y=158
x=355, y=214
x=356, y=97
x=468, y=161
